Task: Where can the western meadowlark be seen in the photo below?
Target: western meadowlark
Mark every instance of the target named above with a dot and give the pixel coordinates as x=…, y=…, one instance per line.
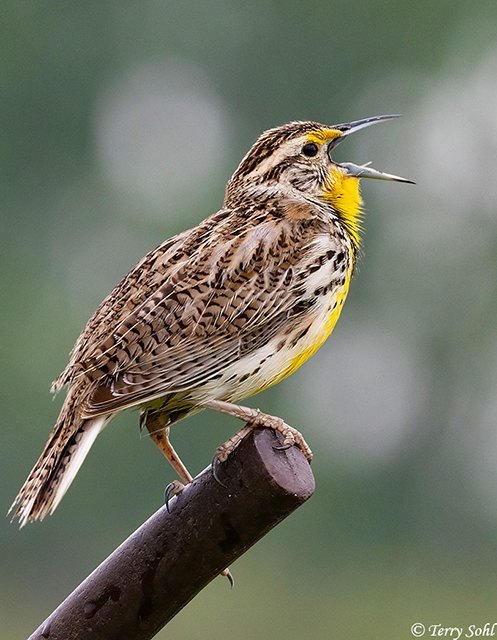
x=219, y=312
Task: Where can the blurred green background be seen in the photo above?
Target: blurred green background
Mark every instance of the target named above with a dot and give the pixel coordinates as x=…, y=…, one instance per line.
x=120, y=123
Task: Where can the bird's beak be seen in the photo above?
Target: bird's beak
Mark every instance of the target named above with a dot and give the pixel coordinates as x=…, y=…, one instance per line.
x=364, y=171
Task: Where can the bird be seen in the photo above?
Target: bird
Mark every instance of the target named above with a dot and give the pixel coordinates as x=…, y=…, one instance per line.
x=219, y=312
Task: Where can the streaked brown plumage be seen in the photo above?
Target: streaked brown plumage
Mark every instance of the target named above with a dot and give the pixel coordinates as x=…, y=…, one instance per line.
x=220, y=311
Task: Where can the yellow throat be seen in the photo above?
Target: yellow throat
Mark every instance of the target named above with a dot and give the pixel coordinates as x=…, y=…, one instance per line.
x=342, y=191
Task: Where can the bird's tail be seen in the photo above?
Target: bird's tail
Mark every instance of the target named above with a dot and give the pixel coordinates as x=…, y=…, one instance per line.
x=56, y=468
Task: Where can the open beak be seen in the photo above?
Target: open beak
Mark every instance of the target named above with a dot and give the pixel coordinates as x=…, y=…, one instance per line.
x=364, y=171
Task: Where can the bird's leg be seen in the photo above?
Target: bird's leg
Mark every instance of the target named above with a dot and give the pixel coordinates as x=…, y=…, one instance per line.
x=156, y=423
x=255, y=418
x=160, y=435
x=161, y=439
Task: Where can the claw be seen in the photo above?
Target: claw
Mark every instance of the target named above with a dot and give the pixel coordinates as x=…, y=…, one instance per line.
x=172, y=489
x=283, y=447
x=214, y=466
x=226, y=572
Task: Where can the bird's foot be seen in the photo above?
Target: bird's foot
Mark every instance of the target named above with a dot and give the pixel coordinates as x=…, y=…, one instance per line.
x=256, y=418
x=230, y=445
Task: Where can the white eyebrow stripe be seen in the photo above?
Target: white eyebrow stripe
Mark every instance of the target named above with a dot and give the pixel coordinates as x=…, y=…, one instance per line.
x=288, y=148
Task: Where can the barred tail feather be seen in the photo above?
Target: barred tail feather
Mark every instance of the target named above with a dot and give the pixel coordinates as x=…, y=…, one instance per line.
x=55, y=470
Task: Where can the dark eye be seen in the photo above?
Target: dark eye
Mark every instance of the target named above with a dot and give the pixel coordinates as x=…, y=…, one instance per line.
x=310, y=149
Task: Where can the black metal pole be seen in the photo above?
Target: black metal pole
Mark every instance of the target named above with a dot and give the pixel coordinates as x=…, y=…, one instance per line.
x=172, y=556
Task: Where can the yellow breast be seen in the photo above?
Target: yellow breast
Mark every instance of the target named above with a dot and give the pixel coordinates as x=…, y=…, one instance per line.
x=343, y=192
x=322, y=326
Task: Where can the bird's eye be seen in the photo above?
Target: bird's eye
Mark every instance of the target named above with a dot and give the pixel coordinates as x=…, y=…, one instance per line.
x=310, y=149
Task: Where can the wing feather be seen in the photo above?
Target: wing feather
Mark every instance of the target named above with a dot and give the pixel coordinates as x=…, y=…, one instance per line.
x=201, y=320
x=135, y=369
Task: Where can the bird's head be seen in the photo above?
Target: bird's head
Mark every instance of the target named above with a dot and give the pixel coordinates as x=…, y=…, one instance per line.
x=296, y=159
